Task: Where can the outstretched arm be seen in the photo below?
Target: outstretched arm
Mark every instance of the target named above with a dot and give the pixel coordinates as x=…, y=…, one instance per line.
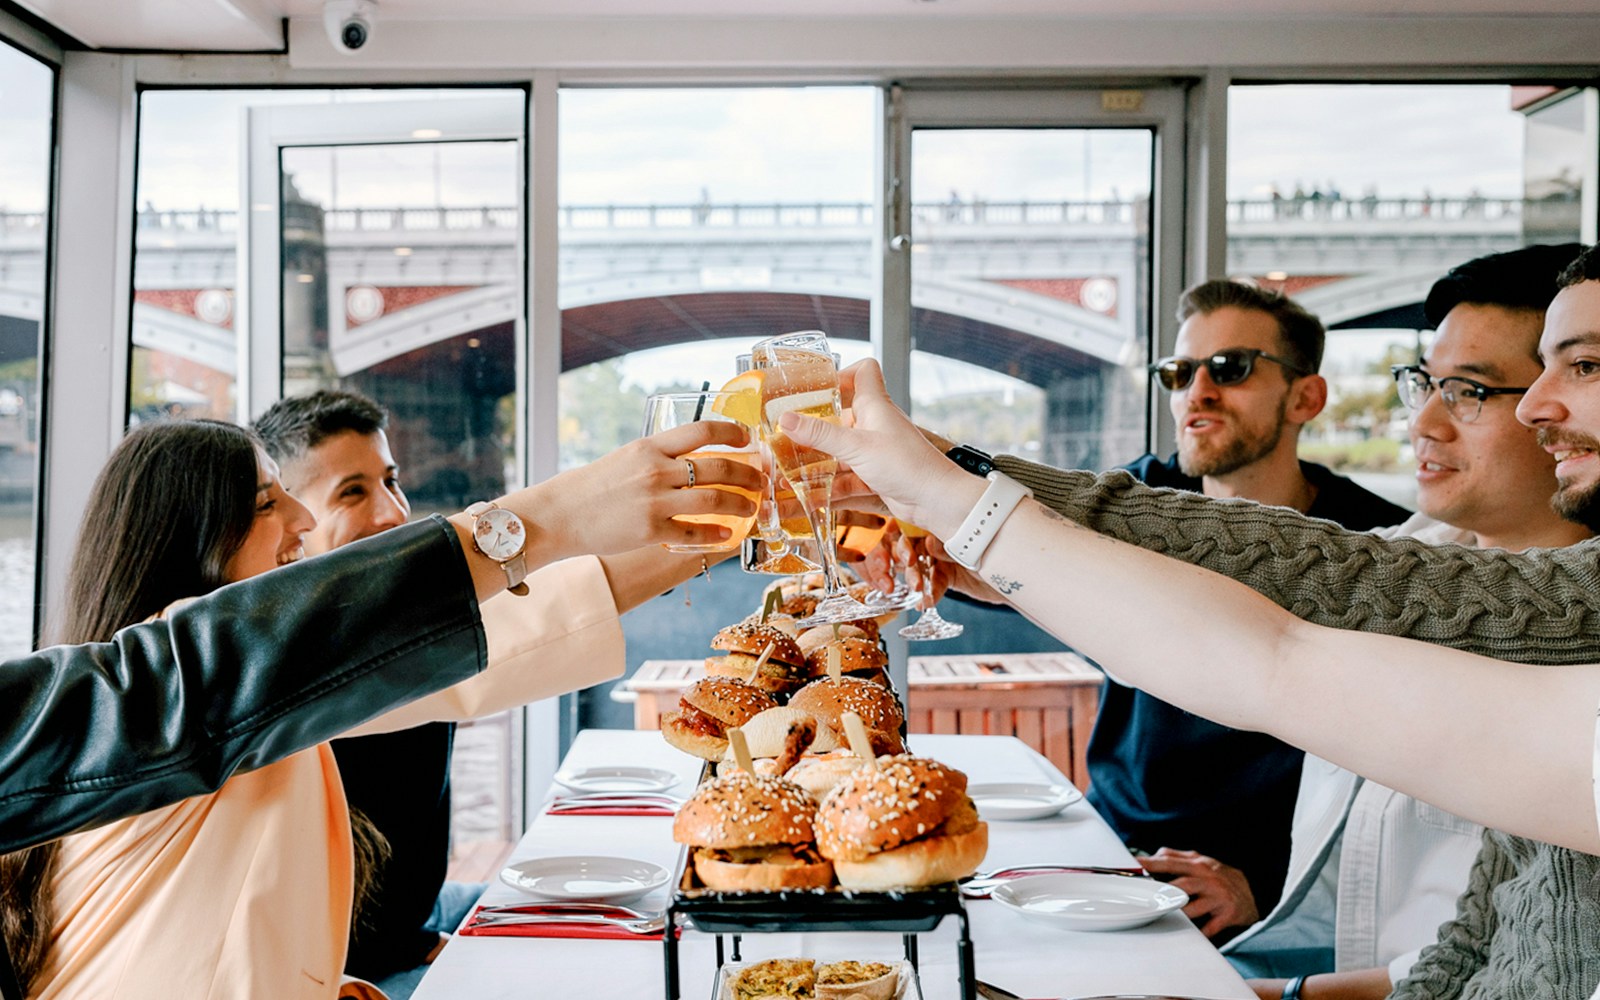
x=1540, y=606
x=1517, y=742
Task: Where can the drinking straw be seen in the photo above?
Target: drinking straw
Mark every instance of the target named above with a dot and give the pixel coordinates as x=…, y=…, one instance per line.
x=700, y=404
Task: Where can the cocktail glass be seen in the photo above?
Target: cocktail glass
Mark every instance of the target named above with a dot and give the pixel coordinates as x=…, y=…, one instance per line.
x=929, y=625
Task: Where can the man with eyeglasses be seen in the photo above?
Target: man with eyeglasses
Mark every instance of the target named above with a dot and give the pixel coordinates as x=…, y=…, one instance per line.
x=1218, y=802
x=1525, y=927
x=1373, y=873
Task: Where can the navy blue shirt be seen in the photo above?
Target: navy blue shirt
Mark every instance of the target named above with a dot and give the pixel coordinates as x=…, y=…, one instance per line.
x=1163, y=777
x=401, y=780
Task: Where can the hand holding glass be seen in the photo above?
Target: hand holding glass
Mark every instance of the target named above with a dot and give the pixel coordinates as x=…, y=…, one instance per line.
x=665, y=411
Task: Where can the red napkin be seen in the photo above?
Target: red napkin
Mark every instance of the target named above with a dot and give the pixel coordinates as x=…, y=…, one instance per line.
x=615, y=811
x=602, y=932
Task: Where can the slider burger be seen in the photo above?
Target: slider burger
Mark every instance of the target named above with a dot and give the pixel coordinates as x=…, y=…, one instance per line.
x=858, y=657
x=819, y=773
x=827, y=699
x=818, y=635
x=707, y=710
x=776, y=739
x=783, y=671
x=906, y=825
x=752, y=833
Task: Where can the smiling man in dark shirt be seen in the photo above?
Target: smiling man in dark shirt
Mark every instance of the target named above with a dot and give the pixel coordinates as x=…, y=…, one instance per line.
x=334, y=453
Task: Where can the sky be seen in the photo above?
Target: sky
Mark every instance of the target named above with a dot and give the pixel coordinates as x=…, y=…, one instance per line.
x=795, y=145
x=810, y=144
x=25, y=124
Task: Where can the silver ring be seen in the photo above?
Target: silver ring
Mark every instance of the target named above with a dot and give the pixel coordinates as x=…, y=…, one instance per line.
x=690, y=463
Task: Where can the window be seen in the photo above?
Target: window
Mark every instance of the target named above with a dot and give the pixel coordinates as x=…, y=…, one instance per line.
x=27, y=100
x=694, y=223
x=1354, y=199
x=395, y=270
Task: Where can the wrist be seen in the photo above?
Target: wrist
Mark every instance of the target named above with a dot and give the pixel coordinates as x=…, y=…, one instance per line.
x=951, y=494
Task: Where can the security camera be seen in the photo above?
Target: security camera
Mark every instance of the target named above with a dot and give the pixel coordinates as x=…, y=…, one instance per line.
x=349, y=23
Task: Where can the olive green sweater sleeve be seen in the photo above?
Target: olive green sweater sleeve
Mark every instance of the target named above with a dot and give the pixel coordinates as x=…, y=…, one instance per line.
x=1541, y=606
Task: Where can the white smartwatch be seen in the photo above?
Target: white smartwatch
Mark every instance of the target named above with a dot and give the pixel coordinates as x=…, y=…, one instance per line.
x=972, y=539
x=501, y=535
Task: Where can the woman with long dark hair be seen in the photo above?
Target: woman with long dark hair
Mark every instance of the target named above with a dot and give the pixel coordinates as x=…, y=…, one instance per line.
x=178, y=511
x=248, y=891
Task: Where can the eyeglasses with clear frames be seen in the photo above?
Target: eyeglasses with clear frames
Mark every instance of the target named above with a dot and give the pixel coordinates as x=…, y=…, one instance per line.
x=1463, y=397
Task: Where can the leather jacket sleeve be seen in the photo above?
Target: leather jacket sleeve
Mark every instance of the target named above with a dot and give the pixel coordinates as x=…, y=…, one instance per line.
x=237, y=679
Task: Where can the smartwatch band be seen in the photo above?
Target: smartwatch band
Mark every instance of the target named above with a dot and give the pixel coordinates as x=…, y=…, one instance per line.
x=972, y=539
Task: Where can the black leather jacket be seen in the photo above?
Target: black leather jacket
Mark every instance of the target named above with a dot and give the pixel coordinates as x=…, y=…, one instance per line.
x=237, y=679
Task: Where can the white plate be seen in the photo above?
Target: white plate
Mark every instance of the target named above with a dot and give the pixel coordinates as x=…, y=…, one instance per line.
x=1021, y=800
x=617, y=779
x=594, y=879
x=1080, y=902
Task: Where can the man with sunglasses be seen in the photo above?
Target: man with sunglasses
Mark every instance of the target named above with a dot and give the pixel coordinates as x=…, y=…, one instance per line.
x=1218, y=802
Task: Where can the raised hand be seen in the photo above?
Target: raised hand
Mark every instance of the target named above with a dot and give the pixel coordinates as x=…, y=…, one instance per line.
x=628, y=497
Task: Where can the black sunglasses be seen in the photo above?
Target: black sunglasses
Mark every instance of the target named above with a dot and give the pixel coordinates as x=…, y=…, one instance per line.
x=1226, y=367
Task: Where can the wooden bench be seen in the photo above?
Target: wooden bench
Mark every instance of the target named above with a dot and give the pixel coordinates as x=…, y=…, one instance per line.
x=1047, y=700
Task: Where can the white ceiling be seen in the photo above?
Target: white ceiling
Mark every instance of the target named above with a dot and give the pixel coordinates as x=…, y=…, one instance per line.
x=255, y=25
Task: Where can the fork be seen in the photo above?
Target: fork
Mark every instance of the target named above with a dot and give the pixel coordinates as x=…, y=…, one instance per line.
x=559, y=909
x=650, y=925
x=980, y=885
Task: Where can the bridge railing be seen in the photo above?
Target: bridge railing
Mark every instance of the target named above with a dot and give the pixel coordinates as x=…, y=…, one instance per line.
x=1331, y=211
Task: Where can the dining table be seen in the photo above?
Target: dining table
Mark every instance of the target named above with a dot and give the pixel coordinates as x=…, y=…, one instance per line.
x=1028, y=958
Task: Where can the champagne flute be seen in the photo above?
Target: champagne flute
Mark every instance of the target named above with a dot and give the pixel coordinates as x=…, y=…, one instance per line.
x=664, y=411
x=773, y=550
x=802, y=377
x=930, y=624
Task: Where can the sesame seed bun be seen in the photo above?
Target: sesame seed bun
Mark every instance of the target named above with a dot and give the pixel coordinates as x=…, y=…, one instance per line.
x=706, y=710
x=815, y=636
x=752, y=833
x=827, y=699
x=782, y=673
x=728, y=701
x=924, y=862
x=855, y=654
x=907, y=824
x=749, y=637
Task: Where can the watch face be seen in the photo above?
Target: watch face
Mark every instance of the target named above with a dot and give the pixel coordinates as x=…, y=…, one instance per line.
x=498, y=534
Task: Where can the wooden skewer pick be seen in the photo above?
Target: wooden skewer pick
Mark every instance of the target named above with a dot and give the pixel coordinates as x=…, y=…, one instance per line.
x=774, y=598
x=761, y=660
x=835, y=663
x=860, y=744
x=741, y=750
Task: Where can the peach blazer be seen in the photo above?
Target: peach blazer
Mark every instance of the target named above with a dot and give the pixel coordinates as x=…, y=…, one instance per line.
x=245, y=893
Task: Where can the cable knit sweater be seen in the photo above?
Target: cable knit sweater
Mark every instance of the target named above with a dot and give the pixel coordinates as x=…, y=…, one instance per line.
x=1528, y=927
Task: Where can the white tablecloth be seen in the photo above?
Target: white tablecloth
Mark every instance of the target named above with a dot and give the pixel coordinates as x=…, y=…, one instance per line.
x=1027, y=958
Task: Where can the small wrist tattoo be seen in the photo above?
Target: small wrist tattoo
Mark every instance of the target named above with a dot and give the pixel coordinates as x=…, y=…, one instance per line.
x=1004, y=585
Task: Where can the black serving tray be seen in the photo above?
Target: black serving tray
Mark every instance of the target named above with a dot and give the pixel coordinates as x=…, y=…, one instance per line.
x=908, y=911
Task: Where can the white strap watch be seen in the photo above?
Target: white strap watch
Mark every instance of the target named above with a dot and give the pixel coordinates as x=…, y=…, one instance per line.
x=972, y=539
